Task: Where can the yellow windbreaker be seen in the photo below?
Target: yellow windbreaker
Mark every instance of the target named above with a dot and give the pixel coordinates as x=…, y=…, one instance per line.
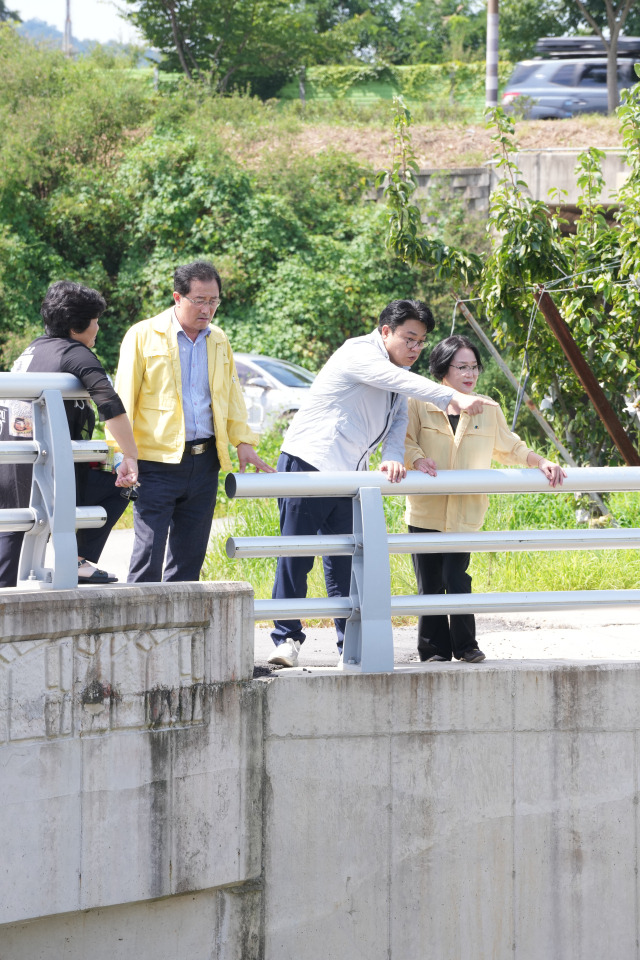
x=477, y=441
x=149, y=382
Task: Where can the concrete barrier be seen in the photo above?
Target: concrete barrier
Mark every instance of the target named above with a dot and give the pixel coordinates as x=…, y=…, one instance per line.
x=130, y=768
x=554, y=169
x=158, y=803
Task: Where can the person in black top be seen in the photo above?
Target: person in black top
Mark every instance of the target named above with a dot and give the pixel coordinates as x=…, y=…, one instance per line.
x=70, y=312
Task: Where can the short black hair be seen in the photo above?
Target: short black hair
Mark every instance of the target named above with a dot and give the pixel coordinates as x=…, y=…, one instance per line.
x=443, y=353
x=198, y=270
x=69, y=306
x=399, y=311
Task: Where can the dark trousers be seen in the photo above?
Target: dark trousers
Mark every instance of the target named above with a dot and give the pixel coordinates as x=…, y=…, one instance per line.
x=98, y=489
x=439, y=573
x=10, y=547
x=175, y=501
x=309, y=516
x=94, y=488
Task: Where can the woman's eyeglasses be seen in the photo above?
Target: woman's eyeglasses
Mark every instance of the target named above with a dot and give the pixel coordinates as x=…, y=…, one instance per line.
x=466, y=367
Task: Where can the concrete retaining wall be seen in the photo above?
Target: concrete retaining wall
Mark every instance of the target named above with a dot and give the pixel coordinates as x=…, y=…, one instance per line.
x=554, y=169
x=542, y=170
x=471, y=185
x=130, y=771
x=465, y=812
x=159, y=804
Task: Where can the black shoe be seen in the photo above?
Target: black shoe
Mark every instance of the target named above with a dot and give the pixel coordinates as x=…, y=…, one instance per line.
x=472, y=655
x=438, y=658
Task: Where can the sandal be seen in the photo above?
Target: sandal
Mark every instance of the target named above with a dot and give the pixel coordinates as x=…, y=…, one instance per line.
x=97, y=576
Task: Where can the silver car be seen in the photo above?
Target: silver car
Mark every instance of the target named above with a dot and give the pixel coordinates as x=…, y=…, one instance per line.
x=563, y=88
x=273, y=389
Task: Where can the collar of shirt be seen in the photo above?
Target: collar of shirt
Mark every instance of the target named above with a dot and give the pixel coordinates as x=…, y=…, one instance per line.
x=177, y=326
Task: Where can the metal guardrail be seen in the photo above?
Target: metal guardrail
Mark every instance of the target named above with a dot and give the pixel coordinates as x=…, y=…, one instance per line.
x=368, y=645
x=52, y=512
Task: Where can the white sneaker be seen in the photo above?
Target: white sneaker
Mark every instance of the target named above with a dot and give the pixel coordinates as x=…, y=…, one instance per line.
x=286, y=654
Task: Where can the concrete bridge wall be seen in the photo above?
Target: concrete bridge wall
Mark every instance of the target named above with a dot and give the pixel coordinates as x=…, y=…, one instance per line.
x=542, y=170
x=158, y=803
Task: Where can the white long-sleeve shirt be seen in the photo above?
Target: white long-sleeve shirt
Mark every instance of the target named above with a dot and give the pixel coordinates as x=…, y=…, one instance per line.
x=357, y=402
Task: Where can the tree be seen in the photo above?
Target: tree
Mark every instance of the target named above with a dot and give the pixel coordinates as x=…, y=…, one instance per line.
x=523, y=22
x=432, y=31
x=615, y=16
x=240, y=42
x=8, y=14
x=593, y=276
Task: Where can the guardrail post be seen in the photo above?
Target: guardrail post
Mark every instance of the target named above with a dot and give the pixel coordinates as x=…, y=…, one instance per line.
x=53, y=500
x=368, y=641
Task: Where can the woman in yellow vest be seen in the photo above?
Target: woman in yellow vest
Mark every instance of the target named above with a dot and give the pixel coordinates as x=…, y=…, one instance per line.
x=456, y=443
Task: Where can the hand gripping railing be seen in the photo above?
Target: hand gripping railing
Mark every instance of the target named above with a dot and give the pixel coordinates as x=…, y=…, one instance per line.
x=52, y=509
x=368, y=645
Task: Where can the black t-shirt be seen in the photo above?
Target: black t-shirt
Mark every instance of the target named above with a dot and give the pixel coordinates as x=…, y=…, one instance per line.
x=53, y=355
x=454, y=420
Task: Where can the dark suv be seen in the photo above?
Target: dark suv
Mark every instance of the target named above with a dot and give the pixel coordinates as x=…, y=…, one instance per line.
x=575, y=81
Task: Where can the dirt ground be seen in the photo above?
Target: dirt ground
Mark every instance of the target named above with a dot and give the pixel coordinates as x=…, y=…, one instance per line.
x=440, y=146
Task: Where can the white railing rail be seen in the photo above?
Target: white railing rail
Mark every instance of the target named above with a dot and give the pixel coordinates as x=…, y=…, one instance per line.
x=368, y=646
x=52, y=510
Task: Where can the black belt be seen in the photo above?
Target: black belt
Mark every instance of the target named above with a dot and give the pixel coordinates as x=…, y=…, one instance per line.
x=195, y=447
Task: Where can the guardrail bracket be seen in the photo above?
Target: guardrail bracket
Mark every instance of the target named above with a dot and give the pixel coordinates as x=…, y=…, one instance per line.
x=370, y=594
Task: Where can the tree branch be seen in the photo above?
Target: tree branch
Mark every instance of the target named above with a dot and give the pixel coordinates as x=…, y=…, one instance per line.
x=593, y=23
x=170, y=7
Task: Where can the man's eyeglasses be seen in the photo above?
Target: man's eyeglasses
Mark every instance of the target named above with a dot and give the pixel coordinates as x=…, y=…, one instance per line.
x=203, y=301
x=466, y=367
x=412, y=344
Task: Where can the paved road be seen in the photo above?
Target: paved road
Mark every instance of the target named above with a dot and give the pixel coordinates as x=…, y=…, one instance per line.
x=574, y=635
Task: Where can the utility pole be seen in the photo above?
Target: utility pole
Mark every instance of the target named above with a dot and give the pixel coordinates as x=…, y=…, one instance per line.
x=586, y=377
x=491, y=86
x=67, y=47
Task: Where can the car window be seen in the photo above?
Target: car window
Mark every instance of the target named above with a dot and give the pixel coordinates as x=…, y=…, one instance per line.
x=286, y=373
x=521, y=72
x=244, y=372
x=594, y=75
x=564, y=75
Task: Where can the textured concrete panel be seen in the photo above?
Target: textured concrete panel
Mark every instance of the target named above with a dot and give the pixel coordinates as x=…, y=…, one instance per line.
x=40, y=828
x=575, y=851
x=570, y=695
x=453, y=697
x=222, y=610
x=326, y=848
x=211, y=925
x=333, y=705
x=451, y=850
x=554, y=169
x=182, y=815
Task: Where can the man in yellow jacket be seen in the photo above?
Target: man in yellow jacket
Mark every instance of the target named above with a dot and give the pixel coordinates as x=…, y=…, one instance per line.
x=178, y=382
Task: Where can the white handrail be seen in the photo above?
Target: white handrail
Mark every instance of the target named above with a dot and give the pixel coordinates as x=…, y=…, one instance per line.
x=348, y=483
x=368, y=643
x=52, y=511
x=27, y=451
x=511, y=541
x=29, y=386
